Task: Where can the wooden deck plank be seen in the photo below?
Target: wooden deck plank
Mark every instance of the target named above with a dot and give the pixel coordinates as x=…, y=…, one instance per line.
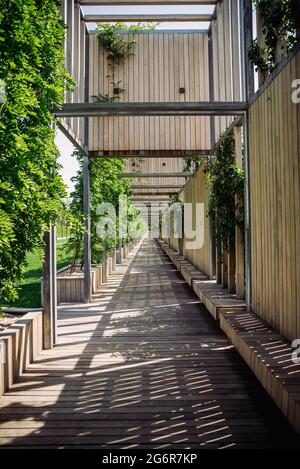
x=144, y=366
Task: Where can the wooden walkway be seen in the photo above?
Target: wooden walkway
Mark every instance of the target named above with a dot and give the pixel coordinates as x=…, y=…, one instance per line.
x=146, y=366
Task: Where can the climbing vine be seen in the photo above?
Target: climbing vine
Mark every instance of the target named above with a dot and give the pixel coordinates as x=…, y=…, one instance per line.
x=176, y=199
x=191, y=163
x=31, y=190
x=118, y=47
x=225, y=179
x=280, y=22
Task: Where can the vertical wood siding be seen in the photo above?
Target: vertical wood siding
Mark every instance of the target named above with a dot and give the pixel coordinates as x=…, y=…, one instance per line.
x=196, y=192
x=275, y=203
x=226, y=58
x=155, y=165
x=75, y=58
x=161, y=64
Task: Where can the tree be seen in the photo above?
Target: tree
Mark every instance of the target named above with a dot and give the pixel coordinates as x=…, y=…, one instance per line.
x=31, y=190
x=106, y=185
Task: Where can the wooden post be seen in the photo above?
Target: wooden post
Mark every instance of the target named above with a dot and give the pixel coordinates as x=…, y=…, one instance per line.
x=281, y=46
x=260, y=42
x=114, y=256
x=239, y=237
x=87, y=233
x=247, y=39
x=231, y=271
x=225, y=268
x=48, y=292
x=219, y=267
x=54, y=283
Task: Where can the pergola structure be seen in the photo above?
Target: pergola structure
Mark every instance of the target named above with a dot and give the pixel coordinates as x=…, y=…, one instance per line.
x=196, y=105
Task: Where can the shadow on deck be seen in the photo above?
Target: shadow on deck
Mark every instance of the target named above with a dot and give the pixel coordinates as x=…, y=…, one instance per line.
x=144, y=366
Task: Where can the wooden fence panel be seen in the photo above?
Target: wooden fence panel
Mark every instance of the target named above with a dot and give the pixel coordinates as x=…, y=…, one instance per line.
x=275, y=198
x=225, y=36
x=162, y=64
x=196, y=192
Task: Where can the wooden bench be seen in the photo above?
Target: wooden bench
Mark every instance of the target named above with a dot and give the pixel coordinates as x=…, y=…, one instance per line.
x=269, y=355
x=216, y=298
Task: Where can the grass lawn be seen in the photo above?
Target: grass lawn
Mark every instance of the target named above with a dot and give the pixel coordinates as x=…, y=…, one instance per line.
x=30, y=287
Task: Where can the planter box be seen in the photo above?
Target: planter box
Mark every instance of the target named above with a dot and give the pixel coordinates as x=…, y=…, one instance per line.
x=70, y=287
x=109, y=265
x=20, y=345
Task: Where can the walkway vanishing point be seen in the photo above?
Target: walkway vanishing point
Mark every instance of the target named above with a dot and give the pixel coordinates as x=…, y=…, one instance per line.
x=144, y=366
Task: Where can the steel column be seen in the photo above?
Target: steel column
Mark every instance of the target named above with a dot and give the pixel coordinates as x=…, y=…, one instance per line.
x=54, y=284
x=87, y=231
x=248, y=89
x=48, y=291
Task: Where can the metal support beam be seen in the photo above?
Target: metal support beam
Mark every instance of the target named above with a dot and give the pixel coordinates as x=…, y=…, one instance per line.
x=145, y=2
x=212, y=237
x=146, y=17
x=66, y=130
x=247, y=214
x=49, y=285
x=151, y=154
x=54, y=284
x=155, y=175
x=158, y=199
x=156, y=186
x=87, y=233
x=204, y=108
x=157, y=193
x=86, y=192
x=248, y=90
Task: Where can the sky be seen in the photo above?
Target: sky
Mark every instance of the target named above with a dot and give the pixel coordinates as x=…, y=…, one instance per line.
x=69, y=164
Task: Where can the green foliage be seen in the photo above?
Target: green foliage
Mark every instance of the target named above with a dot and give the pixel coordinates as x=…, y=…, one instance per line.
x=104, y=98
x=261, y=58
x=225, y=180
x=106, y=185
x=118, y=47
x=280, y=22
x=32, y=68
x=176, y=199
x=191, y=163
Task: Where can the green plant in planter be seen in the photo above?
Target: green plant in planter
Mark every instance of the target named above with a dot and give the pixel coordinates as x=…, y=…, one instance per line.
x=281, y=20
x=225, y=179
